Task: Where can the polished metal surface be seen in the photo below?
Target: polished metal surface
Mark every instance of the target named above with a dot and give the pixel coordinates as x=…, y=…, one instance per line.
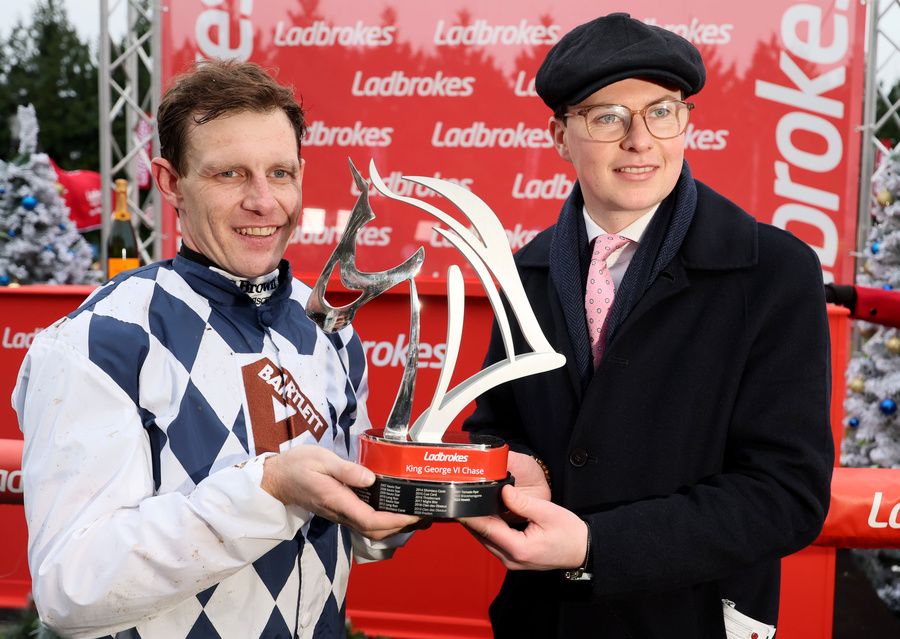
x=455, y=440
x=397, y=425
x=485, y=245
x=370, y=285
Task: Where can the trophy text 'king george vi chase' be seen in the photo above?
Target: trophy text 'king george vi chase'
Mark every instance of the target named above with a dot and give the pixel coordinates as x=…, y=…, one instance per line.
x=422, y=469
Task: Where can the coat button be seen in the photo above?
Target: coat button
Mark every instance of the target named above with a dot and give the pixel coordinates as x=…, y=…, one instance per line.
x=578, y=457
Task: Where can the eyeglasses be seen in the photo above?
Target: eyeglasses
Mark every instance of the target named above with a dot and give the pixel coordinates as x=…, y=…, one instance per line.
x=611, y=122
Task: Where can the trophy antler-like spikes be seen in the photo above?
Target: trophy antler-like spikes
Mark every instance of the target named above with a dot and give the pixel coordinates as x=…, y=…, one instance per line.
x=487, y=249
x=397, y=425
x=489, y=242
x=370, y=285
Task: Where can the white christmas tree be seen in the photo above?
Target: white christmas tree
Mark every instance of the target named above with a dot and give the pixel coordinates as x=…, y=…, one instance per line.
x=39, y=243
x=872, y=435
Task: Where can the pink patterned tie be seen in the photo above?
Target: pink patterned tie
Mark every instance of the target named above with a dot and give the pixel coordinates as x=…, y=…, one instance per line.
x=599, y=291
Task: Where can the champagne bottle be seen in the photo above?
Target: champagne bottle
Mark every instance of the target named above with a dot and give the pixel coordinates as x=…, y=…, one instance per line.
x=121, y=247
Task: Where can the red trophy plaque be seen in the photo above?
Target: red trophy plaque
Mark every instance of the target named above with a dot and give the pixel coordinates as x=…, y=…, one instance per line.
x=422, y=469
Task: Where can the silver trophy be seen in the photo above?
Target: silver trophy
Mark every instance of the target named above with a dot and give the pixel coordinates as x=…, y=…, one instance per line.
x=421, y=468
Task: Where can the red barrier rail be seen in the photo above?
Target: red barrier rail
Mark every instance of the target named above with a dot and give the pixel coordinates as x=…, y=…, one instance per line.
x=865, y=509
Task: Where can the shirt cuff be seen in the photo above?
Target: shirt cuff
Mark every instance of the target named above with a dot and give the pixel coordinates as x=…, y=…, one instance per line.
x=365, y=550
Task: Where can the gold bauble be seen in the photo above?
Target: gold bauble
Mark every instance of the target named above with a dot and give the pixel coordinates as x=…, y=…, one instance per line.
x=867, y=267
x=14, y=285
x=893, y=345
x=885, y=197
x=857, y=384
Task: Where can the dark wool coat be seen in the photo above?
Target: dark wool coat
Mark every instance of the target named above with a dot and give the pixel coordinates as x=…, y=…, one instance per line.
x=700, y=451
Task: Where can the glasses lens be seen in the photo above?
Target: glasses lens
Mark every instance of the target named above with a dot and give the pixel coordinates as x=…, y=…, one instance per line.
x=666, y=119
x=607, y=123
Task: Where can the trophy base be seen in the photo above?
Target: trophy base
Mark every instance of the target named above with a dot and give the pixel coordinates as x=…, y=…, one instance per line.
x=441, y=500
x=460, y=476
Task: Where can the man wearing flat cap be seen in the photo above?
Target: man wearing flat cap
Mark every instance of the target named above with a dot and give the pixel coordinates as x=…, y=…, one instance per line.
x=685, y=447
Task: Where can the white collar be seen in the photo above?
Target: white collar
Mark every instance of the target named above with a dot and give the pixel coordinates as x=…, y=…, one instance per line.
x=258, y=288
x=634, y=231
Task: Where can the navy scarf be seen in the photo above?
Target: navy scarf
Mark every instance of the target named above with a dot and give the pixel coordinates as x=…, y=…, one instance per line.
x=658, y=247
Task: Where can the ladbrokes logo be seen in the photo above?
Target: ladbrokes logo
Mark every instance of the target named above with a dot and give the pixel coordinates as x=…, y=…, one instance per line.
x=399, y=186
x=524, y=87
x=367, y=236
x=322, y=34
x=518, y=236
x=555, y=188
x=398, y=84
x=215, y=33
x=480, y=136
x=18, y=339
x=320, y=134
x=481, y=33
x=890, y=519
x=705, y=139
x=11, y=481
x=698, y=32
x=394, y=353
x=446, y=457
x=266, y=387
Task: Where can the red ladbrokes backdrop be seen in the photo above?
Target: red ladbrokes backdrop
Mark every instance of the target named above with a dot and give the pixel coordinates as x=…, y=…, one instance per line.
x=446, y=89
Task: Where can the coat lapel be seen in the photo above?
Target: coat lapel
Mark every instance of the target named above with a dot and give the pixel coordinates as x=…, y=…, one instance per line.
x=564, y=346
x=671, y=280
x=711, y=240
x=569, y=238
x=535, y=263
x=717, y=240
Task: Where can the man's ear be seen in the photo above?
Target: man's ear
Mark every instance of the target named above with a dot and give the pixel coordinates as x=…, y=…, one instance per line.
x=557, y=128
x=166, y=178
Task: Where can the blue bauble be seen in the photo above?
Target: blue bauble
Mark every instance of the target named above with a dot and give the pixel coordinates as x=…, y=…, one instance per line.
x=4, y=280
x=875, y=248
x=2, y=191
x=888, y=406
x=10, y=234
x=29, y=202
x=853, y=422
x=888, y=287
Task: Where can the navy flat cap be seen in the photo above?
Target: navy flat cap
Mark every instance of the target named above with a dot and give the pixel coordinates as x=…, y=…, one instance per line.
x=612, y=48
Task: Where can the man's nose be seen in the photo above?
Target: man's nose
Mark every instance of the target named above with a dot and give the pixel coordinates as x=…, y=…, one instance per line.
x=638, y=137
x=258, y=195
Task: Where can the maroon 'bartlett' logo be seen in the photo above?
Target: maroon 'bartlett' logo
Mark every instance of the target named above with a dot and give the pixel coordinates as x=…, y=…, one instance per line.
x=267, y=385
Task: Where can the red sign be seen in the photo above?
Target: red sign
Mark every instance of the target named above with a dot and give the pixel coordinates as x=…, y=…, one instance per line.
x=865, y=509
x=426, y=462
x=447, y=89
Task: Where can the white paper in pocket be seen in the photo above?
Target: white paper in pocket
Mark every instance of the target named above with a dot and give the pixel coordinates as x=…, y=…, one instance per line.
x=740, y=626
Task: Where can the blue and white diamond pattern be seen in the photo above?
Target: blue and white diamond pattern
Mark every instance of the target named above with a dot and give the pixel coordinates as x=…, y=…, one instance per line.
x=197, y=402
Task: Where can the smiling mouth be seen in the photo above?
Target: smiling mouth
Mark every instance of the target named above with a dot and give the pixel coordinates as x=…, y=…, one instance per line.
x=258, y=231
x=635, y=169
